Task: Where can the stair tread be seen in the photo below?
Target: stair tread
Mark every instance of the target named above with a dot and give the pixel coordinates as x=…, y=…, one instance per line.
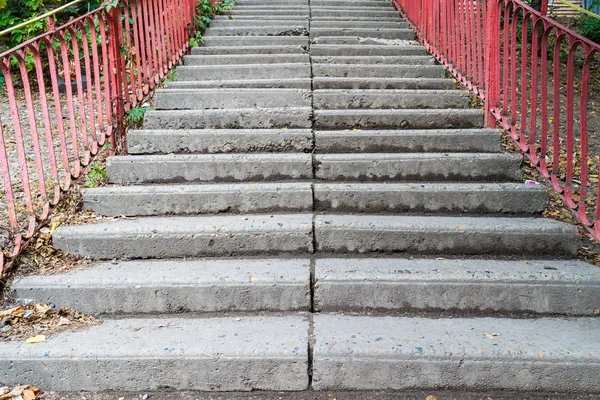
x=217, y=353
x=557, y=354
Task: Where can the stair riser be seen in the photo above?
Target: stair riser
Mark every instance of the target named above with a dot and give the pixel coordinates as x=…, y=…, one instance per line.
x=460, y=297
x=383, y=83
x=350, y=235
x=247, y=59
x=403, y=60
x=295, y=83
x=236, y=72
x=359, y=99
x=394, y=119
x=457, y=141
x=230, y=119
x=329, y=12
x=184, y=237
x=214, y=200
x=255, y=41
x=249, y=50
x=219, y=141
x=357, y=50
x=360, y=41
x=220, y=168
x=449, y=200
x=321, y=24
x=396, y=34
x=375, y=71
x=382, y=167
x=232, y=98
x=280, y=30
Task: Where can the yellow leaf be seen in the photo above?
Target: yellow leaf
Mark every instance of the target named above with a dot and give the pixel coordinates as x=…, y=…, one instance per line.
x=36, y=339
x=430, y=398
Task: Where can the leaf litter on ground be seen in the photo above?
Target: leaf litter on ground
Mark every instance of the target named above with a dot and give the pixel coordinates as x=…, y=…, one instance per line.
x=34, y=322
x=20, y=392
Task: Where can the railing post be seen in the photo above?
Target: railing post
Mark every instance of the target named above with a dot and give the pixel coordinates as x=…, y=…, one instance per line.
x=544, y=8
x=492, y=61
x=115, y=41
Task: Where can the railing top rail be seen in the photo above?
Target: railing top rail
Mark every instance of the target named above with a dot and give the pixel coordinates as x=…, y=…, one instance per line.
x=39, y=18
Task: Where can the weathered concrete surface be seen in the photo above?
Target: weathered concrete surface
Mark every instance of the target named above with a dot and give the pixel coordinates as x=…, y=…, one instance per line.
x=384, y=33
x=388, y=98
x=375, y=71
x=235, y=118
x=445, y=235
x=329, y=24
x=348, y=50
x=363, y=41
x=199, y=199
x=178, y=237
x=222, y=98
x=383, y=83
x=252, y=71
x=449, y=198
x=408, y=141
x=269, y=30
x=398, y=119
x=408, y=353
x=245, y=50
x=254, y=58
x=255, y=40
x=405, y=60
x=213, y=285
x=547, y=287
x=425, y=167
x=272, y=21
x=216, y=354
x=218, y=141
x=329, y=12
x=297, y=83
x=208, y=168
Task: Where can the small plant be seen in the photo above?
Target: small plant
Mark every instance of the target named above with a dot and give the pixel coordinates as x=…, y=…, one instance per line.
x=589, y=27
x=95, y=176
x=135, y=116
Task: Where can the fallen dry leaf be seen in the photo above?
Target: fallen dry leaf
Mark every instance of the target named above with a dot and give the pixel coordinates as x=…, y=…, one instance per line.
x=36, y=339
x=492, y=335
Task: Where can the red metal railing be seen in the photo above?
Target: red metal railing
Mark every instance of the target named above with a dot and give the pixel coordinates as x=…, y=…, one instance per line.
x=534, y=76
x=67, y=92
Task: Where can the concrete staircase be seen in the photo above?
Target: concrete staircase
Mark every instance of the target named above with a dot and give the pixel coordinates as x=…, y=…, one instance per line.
x=316, y=206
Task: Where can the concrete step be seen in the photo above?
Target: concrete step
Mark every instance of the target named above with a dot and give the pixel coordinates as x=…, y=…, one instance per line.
x=219, y=141
x=168, y=286
x=403, y=119
x=234, y=16
x=383, y=33
x=375, y=71
x=241, y=118
x=445, y=236
x=543, y=355
x=421, y=167
x=271, y=30
x=407, y=141
x=296, y=12
x=431, y=198
x=203, y=99
x=246, y=50
x=358, y=17
x=382, y=83
x=350, y=50
x=333, y=12
x=272, y=21
x=554, y=287
x=362, y=41
x=296, y=83
x=236, y=72
x=178, y=168
x=398, y=24
x=199, y=199
x=264, y=8
x=207, y=354
x=255, y=41
x=385, y=5
x=214, y=59
x=387, y=98
x=189, y=236
x=405, y=60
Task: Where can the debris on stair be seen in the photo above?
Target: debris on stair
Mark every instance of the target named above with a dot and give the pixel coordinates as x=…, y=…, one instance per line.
x=20, y=392
x=33, y=322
